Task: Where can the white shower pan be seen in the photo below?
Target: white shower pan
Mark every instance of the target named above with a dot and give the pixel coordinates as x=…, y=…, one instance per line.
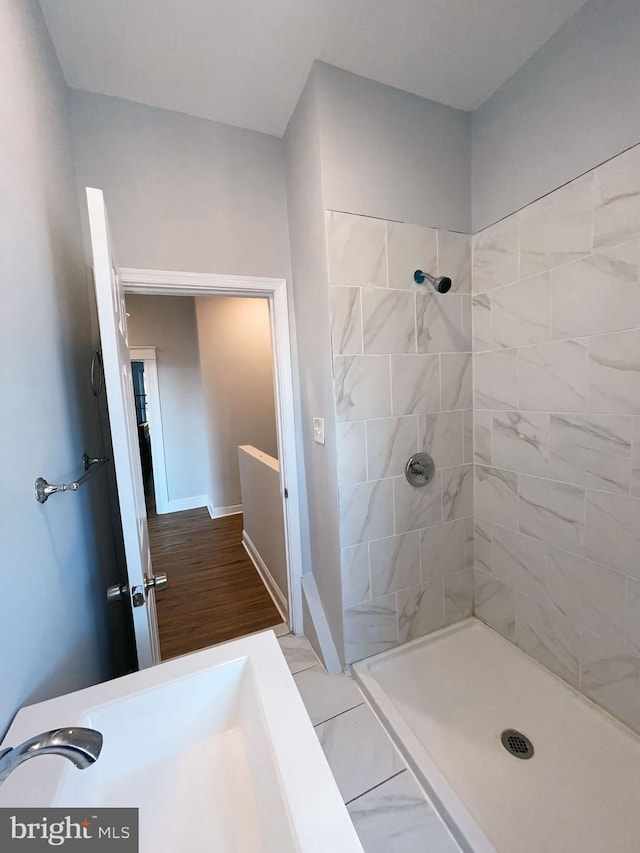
x=445, y=699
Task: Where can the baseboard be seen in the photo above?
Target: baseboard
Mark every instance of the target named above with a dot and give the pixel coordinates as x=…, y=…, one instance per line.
x=273, y=589
x=181, y=504
x=316, y=626
x=221, y=511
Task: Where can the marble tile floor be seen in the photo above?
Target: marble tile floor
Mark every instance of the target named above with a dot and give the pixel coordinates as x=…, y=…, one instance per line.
x=389, y=810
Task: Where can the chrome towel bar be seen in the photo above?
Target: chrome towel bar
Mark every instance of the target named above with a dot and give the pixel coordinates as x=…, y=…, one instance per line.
x=44, y=490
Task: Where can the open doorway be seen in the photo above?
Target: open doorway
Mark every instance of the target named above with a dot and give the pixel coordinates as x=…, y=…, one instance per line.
x=204, y=384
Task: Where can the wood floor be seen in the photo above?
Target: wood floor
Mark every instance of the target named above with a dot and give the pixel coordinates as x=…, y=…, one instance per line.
x=214, y=592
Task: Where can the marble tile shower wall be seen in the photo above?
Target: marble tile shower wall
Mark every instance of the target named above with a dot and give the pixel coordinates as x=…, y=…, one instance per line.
x=402, y=378
x=556, y=329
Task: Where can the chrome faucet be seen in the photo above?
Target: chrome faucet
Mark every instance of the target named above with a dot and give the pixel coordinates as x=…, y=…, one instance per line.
x=81, y=746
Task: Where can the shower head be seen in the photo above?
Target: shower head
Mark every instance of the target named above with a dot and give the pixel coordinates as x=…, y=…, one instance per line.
x=442, y=284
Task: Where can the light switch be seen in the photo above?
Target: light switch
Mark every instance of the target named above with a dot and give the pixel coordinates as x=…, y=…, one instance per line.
x=318, y=430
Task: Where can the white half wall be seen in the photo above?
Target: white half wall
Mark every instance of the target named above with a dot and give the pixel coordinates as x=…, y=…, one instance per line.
x=169, y=324
x=263, y=529
x=236, y=361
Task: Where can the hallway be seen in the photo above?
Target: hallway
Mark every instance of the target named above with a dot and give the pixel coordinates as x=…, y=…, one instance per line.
x=214, y=592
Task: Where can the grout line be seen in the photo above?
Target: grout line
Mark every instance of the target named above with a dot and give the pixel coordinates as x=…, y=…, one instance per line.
x=373, y=788
x=342, y=713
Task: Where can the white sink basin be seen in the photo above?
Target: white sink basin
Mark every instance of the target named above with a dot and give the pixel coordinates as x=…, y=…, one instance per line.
x=215, y=749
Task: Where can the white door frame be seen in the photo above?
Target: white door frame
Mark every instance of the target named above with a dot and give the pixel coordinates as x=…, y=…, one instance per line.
x=168, y=283
x=158, y=463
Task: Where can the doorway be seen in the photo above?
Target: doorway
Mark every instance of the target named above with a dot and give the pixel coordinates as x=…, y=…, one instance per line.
x=216, y=576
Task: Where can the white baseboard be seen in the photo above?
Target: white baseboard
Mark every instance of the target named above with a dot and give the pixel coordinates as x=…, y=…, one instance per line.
x=279, y=599
x=221, y=511
x=316, y=627
x=181, y=504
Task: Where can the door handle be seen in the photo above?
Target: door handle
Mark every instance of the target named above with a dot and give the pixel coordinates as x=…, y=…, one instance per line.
x=117, y=591
x=160, y=581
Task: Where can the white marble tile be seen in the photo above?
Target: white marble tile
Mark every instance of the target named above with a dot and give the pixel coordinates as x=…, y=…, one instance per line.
x=415, y=382
x=468, y=529
x=326, y=696
x=592, y=450
x=420, y=610
x=482, y=544
x=454, y=259
x=351, y=449
x=611, y=677
x=635, y=459
x=458, y=596
x=632, y=615
x=557, y=229
x=481, y=318
x=482, y=430
x=395, y=563
x=496, y=496
x=519, y=561
x=552, y=512
x=495, y=255
x=410, y=248
x=358, y=750
x=390, y=442
x=356, y=582
x=457, y=492
x=597, y=294
x=457, y=376
x=613, y=531
x=388, y=321
x=590, y=595
x=617, y=203
x=553, y=377
x=442, y=435
x=495, y=379
x=549, y=637
x=439, y=322
x=614, y=372
x=346, y=320
x=442, y=548
x=370, y=627
x=366, y=511
x=297, y=652
x=467, y=436
x=521, y=442
x=416, y=508
x=395, y=817
x=467, y=324
x=362, y=387
x=494, y=604
x=521, y=312
x=356, y=249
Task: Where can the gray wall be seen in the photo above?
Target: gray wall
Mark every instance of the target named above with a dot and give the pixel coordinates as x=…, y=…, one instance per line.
x=183, y=193
x=573, y=105
x=169, y=323
x=311, y=305
x=236, y=360
x=393, y=155
x=56, y=558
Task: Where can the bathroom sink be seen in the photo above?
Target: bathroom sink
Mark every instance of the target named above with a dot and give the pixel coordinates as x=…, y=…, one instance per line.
x=215, y=749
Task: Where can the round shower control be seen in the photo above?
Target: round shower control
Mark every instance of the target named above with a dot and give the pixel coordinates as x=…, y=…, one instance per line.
x=420, y=470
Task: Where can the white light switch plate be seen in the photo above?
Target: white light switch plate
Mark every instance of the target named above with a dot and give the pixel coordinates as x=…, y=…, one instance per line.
x=318, y=430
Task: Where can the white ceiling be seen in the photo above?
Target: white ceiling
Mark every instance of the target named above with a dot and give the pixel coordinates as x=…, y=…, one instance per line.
x=244, y=62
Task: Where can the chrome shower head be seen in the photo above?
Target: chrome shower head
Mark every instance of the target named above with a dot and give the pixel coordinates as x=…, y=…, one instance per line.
x=442, y=284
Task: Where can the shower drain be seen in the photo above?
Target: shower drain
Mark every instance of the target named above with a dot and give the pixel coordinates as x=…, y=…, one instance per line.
x=516, y=743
